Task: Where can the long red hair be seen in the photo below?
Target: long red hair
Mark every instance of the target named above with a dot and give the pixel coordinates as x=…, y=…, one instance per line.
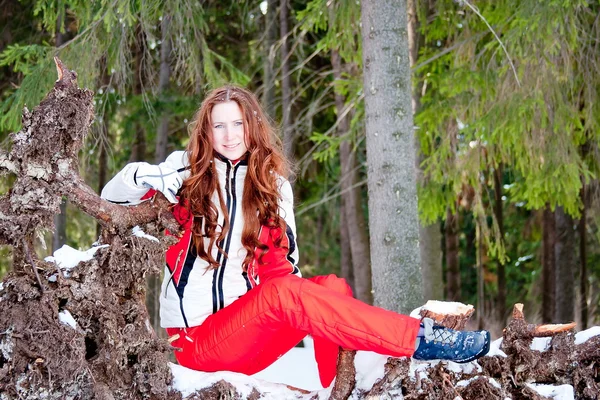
x=261, y=196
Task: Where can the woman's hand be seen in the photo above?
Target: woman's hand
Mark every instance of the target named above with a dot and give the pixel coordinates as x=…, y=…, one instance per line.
x=164, y=179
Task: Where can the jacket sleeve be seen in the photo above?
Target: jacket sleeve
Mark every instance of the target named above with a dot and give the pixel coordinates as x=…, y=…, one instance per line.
x=121, y=189
x=283, y=260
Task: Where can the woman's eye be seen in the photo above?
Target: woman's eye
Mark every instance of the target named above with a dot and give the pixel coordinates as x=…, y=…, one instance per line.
x=218, y=126
x=239, y=123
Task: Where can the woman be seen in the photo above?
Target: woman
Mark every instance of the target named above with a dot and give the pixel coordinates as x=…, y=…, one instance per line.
x=232, y=295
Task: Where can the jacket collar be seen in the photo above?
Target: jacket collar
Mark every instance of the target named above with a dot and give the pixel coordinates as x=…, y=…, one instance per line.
x=227, y=161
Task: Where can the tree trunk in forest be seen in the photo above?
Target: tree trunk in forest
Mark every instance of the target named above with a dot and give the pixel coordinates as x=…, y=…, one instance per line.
x=346, y=271
x=102, y=159
x=583, y=275
x=452, y=260
x=498, y=211
x=346, y=266
x=286, y=91
x=430, y=236
x=480, y=276
x=138, y=147
x=268, y=70
x=393, y=219
x=160, y=153
x=564, y=304
x=548, y=264
x=351, y=196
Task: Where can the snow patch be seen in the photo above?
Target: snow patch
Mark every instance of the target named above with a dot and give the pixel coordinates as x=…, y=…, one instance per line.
x=561, y=392
x=540, y=343
x=442, y=307
x=66, y=318
x=137, y=231
x=188, y=381
x=6, y=344
x=67, y=257
x=369, y=368
x=582, y=336
x=495, y=349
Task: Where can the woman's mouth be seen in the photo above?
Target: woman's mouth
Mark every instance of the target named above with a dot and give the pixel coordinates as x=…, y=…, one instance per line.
x=231, y=146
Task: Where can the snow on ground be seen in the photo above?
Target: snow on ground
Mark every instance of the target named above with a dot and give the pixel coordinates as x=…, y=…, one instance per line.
x=561, y=392
x=583, y=336
x=495, y=348
x=540, y=343
x=66, y=318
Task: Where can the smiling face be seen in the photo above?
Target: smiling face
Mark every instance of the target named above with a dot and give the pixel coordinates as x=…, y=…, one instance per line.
x=228, y=133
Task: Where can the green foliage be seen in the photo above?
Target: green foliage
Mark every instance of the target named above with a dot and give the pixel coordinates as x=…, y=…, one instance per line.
x=536, y=127
x=23, y=57
x=339, y=20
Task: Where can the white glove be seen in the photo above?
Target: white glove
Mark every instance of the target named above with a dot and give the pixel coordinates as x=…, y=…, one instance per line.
x=164, y=179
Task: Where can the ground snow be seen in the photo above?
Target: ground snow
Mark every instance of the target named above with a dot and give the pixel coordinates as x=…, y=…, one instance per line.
x=561, y=392
x=66, y=318
x=495, y=349
x=540, y=343
x=583, y=336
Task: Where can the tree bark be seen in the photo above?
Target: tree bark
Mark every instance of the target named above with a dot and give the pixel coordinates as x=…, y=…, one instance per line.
x=393, y=220
x=452, y=261
x=346, y=271
x=564, y=305
x=498, y=211
x=480, y=274
x=548, y=264
x=583, y=274
x=154, y=281
x=162, y=134
x=430, y=237
x=286, y=91
x=268, y=73
x=103, y=159
x=354, y=217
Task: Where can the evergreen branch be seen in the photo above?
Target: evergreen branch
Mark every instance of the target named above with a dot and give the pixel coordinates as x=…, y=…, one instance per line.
x=327, y=198
x=476, y=11
x=90, y=27
x=447, y=50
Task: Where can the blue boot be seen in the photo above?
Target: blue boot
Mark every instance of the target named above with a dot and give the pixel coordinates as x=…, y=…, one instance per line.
x=439, y=343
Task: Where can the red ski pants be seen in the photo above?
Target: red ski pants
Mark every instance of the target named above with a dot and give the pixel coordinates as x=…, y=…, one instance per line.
x=254, y=331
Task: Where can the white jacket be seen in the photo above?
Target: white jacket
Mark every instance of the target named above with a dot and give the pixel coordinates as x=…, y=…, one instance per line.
x=190, y=292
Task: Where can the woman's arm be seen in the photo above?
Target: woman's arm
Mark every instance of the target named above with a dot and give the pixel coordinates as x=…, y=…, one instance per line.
x=125, y=189
x=282, y=260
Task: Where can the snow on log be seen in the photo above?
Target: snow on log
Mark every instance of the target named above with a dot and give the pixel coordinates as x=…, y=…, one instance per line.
x=452, y=315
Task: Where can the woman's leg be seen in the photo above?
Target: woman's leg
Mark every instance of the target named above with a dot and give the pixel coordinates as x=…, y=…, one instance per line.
x=251, y=333
x=326, y=352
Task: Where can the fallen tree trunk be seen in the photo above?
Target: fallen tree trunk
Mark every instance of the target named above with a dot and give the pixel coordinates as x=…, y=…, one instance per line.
x=111, y=352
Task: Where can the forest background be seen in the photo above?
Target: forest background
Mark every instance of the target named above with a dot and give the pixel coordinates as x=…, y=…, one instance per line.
x=506, y=125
